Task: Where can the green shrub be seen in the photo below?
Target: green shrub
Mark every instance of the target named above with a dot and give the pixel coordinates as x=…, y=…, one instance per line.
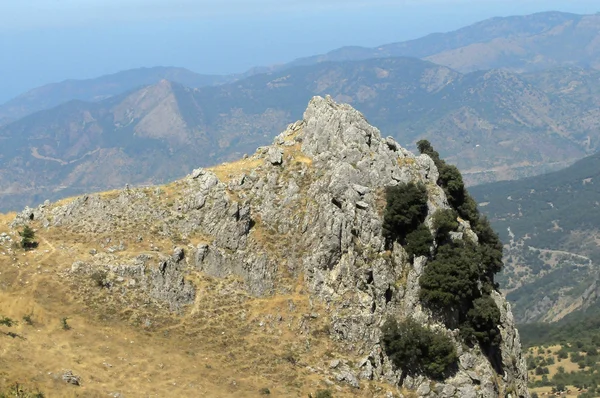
x=27, y=238
x=417, y=349
x=460, y=278
x=406, y=208
x=65, y=325
x=264, y=391
x=444, y=222
x=323, y=394
x=28, y=319
x=482, y=321
x=450, y=280
x=99, y=278
x=419, y=242
x=7, y=321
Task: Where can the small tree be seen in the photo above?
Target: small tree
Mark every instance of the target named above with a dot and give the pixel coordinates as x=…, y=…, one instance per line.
x=419, y=242
x=450, y=280
x=417, y=349
x=444, y=222
x=406, y=208
x=27, y=238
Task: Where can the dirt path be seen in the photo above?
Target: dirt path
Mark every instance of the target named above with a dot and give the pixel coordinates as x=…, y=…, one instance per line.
x=36, y=154
x=590, y=262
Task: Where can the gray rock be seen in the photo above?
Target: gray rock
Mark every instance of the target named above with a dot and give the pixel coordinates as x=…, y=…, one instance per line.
x=70, y=378
x=362, y=190
x=362, y=205
x=347, y=377
x=467, y=392
x=424, y=389
x=275, y=156
x=448, y=391
x=178, y=254
x=197, y=173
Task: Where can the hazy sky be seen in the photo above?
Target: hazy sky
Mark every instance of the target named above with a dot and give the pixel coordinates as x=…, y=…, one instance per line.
x=44, y=41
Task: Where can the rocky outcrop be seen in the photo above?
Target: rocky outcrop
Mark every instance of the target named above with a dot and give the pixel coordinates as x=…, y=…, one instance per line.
x=312, y=205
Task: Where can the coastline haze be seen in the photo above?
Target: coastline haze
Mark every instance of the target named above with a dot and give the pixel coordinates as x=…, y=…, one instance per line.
x=79, y=41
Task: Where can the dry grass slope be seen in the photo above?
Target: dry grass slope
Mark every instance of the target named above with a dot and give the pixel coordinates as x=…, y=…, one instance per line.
x=225, y=344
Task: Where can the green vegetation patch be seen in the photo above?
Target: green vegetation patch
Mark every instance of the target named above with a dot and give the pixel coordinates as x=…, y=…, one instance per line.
x=417, y=349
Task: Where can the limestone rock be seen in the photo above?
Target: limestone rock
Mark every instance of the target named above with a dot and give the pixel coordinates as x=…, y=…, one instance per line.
x=275, y=156
x=318, y=215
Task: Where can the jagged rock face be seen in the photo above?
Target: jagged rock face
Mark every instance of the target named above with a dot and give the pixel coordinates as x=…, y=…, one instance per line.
x=312, y=204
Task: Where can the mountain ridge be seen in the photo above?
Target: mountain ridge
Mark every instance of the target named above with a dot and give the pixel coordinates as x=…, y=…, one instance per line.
x=281, y=254
x=437, y=47
x=469, y=116
x=97, y=89
x=474, y=48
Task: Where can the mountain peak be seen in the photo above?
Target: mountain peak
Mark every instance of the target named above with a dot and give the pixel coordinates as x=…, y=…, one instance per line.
x=306, y=210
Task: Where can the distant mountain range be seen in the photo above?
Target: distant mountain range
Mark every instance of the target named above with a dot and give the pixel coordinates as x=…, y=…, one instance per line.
x=520, y=44
x=493, y=124
x=551, y=226
x=154, y=124
x=51, y=95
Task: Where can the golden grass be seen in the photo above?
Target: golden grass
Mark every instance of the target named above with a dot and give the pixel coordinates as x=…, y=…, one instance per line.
x=228, y=171
x=225, y=344
x=553, y=369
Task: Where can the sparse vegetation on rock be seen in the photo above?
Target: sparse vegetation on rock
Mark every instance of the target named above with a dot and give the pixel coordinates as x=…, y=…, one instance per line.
x=458, y=282
x=416, y=349
x=405, y=212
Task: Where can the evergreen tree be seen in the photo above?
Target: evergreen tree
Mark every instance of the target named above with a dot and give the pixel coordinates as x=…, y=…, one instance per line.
x=417, y=349
x=406, y=208
x=27, y=238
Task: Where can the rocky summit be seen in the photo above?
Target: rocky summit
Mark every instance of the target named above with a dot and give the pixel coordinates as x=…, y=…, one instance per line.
x=273, y=270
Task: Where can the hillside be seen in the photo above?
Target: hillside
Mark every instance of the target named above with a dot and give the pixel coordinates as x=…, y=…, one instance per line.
x=100, y=88
x=519, y=44
x=493, y=125
x=553, y=240
x=272, y=272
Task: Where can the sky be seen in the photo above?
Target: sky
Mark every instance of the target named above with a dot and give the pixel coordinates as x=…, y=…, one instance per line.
x=45, y=41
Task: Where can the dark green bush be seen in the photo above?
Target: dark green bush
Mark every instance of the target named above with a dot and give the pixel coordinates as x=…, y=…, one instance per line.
x=99, y=278
x=419, y=242
x=444, y=222
x=7, y=321
x=483, y=320
x=418, y=350
x=460, y=278
x=27, y=238
x=323, y=394
x=405, y=210
x=450, y=280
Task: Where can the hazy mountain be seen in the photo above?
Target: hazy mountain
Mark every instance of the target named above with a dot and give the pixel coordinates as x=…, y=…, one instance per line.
x=519, y=43
x=97, y=89
x=407, y=97
x=494, y=125
x=550, y=223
